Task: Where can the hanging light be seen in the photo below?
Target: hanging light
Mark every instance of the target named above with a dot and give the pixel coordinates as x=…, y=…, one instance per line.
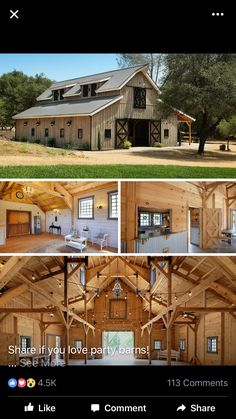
x=33, y=277
x=28, y=190
x=117, y=289
x=190, y=293
x=60, y=285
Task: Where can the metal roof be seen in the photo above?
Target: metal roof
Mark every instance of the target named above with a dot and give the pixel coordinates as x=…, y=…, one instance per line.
x=113, y=80
x=86, y=107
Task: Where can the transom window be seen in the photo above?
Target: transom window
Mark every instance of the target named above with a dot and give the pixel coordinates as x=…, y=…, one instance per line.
x=113, y=205
x=157, y=344
x=86, y=207
x=140, y=97
x=182, y=344
x=212, y=344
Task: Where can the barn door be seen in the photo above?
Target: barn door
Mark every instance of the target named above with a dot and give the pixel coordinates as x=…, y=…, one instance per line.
x=122, y=132
x=18, y=223
x=155, y=132
x=211, y=227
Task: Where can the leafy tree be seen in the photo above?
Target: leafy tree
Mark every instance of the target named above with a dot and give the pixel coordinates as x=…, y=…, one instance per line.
x=203, y=86
x=227, y=128
x=154, y=61
x=19, y=92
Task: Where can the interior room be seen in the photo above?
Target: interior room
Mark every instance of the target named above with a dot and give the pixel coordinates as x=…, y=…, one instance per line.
x=58, y=217
x=178, y=217
x=118, y=310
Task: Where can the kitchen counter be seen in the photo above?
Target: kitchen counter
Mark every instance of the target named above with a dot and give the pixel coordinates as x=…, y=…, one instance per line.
x=163, y=243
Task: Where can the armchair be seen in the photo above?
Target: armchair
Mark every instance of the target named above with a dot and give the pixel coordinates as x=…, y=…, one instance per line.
x=101, y=239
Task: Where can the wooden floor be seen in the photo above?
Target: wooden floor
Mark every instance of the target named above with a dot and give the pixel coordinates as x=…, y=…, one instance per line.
x=30, y=243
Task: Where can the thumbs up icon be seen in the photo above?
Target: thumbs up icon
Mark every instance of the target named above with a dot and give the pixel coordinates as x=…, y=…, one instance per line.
x=29, y=408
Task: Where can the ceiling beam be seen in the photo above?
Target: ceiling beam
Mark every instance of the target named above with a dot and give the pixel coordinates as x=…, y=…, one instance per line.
x=206, y=309
x=12, y=293
x=204, y=284
x=26, y=310
x=11, y=268
x=65, y=195
x=143, y=272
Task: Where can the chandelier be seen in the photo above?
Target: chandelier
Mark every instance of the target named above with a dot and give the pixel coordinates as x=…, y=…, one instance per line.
x=28, y=190
x=117, y=290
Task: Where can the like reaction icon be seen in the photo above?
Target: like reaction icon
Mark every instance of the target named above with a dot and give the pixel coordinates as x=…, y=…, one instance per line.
x=29, y=408
x=12, y=382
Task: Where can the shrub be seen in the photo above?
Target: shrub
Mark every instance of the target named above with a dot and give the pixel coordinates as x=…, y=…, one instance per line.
x=99, y=141
x=68, y=146
x=23, y=140
x=157, y=144
x=127, y=144
x=52, y=142
x=37, y=141
x=84, y=146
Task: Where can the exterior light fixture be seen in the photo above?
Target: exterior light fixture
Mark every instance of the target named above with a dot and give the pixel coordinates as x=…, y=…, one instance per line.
x=25, y=123
x=69, y=122
x=52, y=123
x=37, y=123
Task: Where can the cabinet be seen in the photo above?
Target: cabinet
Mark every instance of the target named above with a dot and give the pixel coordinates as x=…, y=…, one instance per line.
x=171, y=243
x=37, y=224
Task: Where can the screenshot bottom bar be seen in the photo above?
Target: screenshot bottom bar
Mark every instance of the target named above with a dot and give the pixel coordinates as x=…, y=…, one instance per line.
x=117, y=407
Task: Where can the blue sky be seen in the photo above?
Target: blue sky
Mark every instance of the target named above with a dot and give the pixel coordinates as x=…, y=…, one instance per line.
x=58, y=66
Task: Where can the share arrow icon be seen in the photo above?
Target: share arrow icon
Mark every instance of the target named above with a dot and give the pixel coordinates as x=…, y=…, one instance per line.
x=182, y=408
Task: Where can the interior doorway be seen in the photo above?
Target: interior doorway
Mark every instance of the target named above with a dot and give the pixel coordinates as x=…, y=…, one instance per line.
x=139, y=132
x=118, y=345
x=54, y=342
x=194, y=226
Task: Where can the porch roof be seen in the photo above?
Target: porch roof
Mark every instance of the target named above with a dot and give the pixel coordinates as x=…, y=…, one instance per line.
x=83, y=107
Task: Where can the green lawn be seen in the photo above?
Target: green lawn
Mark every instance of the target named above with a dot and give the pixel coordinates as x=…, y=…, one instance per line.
x=115, y=171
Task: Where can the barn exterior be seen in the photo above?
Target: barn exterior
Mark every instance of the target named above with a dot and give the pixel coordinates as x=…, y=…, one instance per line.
x=101, y=111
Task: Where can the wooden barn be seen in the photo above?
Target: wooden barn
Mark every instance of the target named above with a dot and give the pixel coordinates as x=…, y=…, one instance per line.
x=178, y=217
x=101, y=111
x=58, y=217
x=105, y=310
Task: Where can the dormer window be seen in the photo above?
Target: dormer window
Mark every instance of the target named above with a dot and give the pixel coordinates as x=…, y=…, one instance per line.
x=93, y=89
x=85, y=90
x=55, y=95
x=140, y=97
x=61, y=94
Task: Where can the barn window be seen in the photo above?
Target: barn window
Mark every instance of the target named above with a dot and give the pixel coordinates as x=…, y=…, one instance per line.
x=55, y=95
x=25, y=343
x=113, y=205
x=82, y=277
x=157, y=219
x=139, y=97
x=153, y=276
x=144, y=219
x=166, y=133
x=86, y=207
x=80, y=133
x=62, y=132
x=107, y=134
x=182, y=344
x=32, y=132
x=78, y=344
x=62, y=93
x=157, y=344
x=93, y=89
x=212, y=344
x=46, y=131
x=85, y=90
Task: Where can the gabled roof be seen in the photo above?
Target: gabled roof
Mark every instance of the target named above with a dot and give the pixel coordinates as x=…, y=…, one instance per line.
x=113, y=80
x=82, y=107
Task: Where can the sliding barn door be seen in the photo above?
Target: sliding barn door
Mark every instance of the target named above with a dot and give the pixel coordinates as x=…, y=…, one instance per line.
x=211, y=227
x=122, y=132
x=18, y=223
x=155, y=132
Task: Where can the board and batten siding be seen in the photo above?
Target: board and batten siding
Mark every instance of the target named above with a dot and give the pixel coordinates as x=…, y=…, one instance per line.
x=64, y=220
x=70, y=132
x=100, y=223
x=16, y=206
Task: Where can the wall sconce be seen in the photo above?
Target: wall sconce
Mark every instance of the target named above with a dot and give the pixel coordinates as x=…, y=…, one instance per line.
x=52, y=123
x=99, y=207
x=25, y=123
x=37, y=123
x=69, y=122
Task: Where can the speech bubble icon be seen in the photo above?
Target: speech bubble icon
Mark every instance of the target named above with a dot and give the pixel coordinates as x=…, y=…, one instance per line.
x=95, y=407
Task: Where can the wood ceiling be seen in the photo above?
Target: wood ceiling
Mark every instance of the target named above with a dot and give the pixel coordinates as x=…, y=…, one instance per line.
x=198, y=282
x=50, y=195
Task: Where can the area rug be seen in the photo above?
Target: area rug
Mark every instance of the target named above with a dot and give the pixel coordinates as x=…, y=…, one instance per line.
x=58, y=246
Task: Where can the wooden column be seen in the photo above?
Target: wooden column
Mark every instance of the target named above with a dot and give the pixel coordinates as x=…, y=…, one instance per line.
x=85, y=329
x=66, y=312
x=41, y=330
x=222, y=346
x=131, y=216
x=168, y=331
x=189, y=132
x=150, y=332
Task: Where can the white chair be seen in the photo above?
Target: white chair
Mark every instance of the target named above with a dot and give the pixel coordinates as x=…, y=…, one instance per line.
x=101, y=239
x=73, y=234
